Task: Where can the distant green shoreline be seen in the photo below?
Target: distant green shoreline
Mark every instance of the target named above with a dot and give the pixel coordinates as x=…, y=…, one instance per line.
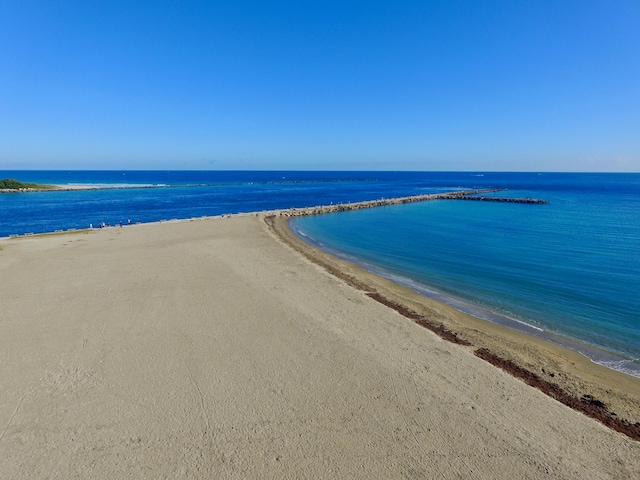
x=12, y=185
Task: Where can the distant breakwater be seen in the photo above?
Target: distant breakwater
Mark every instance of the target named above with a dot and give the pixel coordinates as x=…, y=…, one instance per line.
x=503, y=199
x=460, y=195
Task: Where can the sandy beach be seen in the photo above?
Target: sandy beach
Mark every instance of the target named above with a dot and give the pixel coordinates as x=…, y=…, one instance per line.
x=226, y=348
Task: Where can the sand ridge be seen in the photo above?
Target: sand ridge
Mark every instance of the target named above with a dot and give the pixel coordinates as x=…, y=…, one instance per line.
x=209, y=349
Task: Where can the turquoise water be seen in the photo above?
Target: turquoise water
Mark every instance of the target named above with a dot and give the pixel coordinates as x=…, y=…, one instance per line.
x=570, y=269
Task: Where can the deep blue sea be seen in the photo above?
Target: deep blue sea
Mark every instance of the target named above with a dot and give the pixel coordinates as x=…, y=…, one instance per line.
x=568, y=271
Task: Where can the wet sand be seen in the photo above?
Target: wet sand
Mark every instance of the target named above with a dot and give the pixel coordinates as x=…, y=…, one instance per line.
x=211, y=348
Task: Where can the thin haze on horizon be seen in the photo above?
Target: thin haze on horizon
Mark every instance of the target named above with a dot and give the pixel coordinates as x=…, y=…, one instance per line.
x=320, y=85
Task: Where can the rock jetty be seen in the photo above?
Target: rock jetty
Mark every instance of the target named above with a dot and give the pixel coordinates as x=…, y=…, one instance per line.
x=503, y=199
x=460, y=195
x=343, y=207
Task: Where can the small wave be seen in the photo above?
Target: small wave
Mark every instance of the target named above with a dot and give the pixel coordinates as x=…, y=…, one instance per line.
x=629, y=367
x=305, y=236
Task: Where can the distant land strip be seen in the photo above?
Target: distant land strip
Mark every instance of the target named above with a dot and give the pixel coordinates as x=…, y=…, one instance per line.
x=9, y=185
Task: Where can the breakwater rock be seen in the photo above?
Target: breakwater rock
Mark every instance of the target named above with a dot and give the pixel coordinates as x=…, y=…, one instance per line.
x=460, y=195
x=343, y=207
x=503, y=199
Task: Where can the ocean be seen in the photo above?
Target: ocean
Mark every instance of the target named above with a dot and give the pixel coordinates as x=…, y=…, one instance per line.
x=568, y=271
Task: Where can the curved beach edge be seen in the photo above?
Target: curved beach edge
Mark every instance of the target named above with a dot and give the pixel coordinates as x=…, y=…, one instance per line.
x=209, y=348
x=609, y=396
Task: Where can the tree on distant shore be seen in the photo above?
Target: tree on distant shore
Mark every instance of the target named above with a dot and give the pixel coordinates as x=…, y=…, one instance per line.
x=11, y=184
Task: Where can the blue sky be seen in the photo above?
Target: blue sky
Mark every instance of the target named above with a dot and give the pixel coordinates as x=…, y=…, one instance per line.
x=399, y=85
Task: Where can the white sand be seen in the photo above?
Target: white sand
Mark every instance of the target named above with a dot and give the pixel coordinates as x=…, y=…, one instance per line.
x=208, y=349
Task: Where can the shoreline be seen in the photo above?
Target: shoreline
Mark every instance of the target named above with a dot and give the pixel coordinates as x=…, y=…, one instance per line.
x=579, y=360
x=210, y=348
x=593, y=353
x=601, y=392
x=607, y=358
x=585, y=350
x=292, y=212
x=80, y=187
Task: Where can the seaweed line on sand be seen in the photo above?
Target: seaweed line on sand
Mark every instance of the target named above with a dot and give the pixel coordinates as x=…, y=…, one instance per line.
x=586, y=404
